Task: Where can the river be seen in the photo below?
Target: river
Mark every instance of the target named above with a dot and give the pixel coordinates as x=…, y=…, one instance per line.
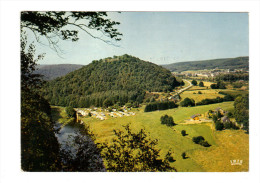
x=90, y=159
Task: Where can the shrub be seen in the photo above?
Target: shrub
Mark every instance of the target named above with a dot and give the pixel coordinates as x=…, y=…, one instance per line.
x=170, y=159
x=219, y=126
x=229, y=114
x=70, y=112
x=183, y=132
x=159, y=106
x=194, y=82
x=187, y=102
x=183, y=155
x=167, y=120
x=198, y=139
x=199, y=92
x=201, y=84
x=122, y=156
x=201, y=141
x=219, y=85
x=205, y=144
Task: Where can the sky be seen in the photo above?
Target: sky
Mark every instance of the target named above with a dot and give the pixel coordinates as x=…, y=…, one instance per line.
x=162, y=38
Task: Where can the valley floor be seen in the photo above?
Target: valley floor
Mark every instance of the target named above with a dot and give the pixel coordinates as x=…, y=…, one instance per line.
x=227, y=145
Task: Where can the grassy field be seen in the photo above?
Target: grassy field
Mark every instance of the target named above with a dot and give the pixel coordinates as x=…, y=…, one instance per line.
x=199, y=158
x=206, y=93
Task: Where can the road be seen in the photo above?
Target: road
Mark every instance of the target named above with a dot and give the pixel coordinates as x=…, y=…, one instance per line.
x=183, y=89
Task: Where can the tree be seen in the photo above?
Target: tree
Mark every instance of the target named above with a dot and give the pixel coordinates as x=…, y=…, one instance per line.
x=194, y=82
x=70, y=112
x=63, y=25
x=134, y=152
x=187, y=102
x=183, y=155
x=201, y=84
x=39, y=145
x=167, y=120
x=201, y=141
x=183, y=132
x=241, y=112
x=213, y=86
x=219, y=126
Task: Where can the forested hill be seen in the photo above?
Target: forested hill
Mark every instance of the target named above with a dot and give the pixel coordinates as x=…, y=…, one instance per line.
x=120, y=79
x=224, y=63
x=50, y=72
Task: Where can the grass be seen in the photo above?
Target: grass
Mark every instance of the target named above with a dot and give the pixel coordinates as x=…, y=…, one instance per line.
x=231, y=145
x=171, y=138
x=206, y=93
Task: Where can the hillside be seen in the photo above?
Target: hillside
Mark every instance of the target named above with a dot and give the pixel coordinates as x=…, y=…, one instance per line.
x=224, y=63
x=109, y=81
x=50, y=72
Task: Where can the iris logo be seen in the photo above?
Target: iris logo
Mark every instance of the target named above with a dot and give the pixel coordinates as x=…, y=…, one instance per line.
x=236, y=162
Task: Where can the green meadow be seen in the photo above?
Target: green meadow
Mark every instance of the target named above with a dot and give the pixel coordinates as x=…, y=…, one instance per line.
x=170, y=138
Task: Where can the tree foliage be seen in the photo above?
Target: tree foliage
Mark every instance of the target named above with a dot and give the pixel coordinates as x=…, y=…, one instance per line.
x=201, y=141
x=241, y=113
x=194, y=82
x=219, y=126
x=167, y=120
x=219, y=85
x=55, y=26
x=106, y=82
x=183, y=132
x=187, y=102
x=134, y=152
x=70, y=112
x=39, y=146
x=201, y=84
x=154, y=106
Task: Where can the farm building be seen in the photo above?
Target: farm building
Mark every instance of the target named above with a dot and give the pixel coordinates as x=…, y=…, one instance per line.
x=195, y=117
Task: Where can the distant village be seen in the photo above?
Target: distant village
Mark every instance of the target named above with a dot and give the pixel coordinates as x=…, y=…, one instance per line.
x=206, y=73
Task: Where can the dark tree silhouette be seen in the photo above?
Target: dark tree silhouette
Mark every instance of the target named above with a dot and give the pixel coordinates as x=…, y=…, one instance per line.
x=55, y=26
x=39, y=146
x=134, y=152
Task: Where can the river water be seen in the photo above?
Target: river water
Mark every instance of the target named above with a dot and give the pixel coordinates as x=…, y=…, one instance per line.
x=66, y=135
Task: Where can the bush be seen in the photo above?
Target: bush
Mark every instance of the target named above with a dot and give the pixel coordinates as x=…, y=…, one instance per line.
x=70, y=112
x=183, y=132
x=205, y=144
x=159, y=106
x=183, y=155
x=187, y=102
x=199, y=92
x=201, y=141
x=219, y=126
x=219, y=85
x=201, y=84
x=167, y=120
x=237, y=85
x=198, y=139
x=122, y=156
x=194, y=82
x=170, y=159
x=230, y=125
